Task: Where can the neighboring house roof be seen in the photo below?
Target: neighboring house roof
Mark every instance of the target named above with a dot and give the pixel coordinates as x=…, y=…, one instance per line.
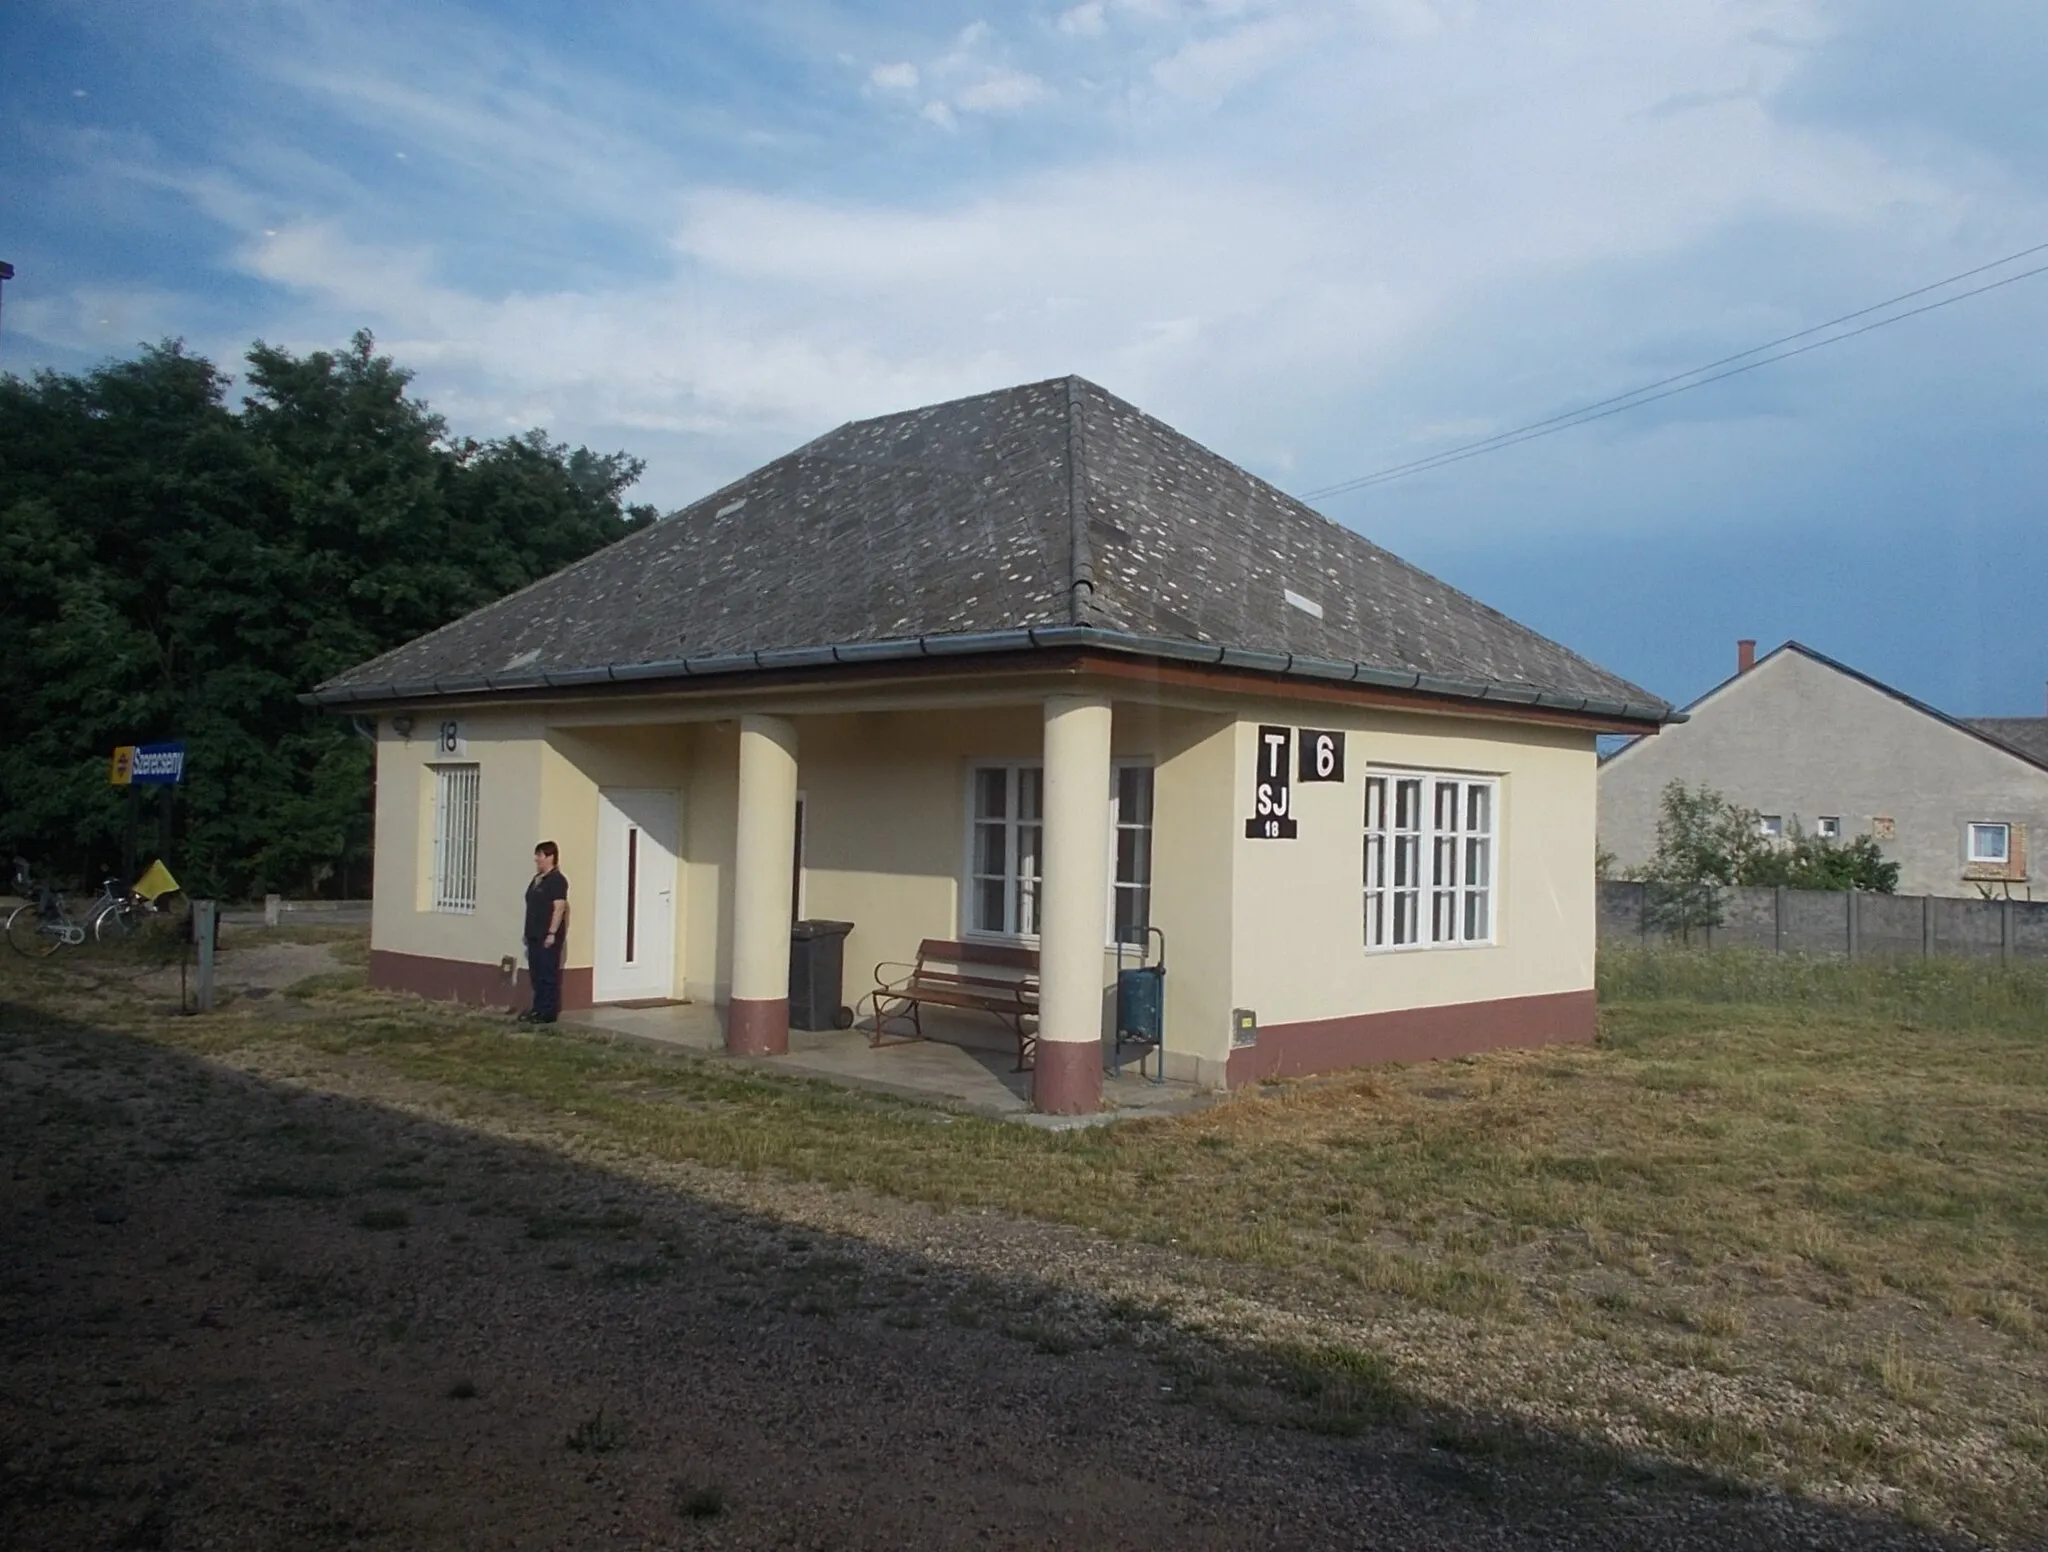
x=1982, y=728
x=1048, y=515
x=2024, y=735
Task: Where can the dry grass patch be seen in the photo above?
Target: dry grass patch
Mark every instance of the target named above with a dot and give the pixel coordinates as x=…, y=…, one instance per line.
x=1786, y=1222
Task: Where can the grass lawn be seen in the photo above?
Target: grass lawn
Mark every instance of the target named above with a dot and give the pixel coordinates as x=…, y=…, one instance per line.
x=1786, y=1223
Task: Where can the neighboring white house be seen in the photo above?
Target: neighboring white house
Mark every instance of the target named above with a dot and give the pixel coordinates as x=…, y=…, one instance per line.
x=1812, y=744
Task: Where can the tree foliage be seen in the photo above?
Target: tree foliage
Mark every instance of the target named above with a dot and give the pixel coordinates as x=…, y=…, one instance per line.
x=1705, y=844
x=180, y=567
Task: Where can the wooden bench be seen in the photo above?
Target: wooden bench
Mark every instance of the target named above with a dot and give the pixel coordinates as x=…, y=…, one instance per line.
x=990, y=978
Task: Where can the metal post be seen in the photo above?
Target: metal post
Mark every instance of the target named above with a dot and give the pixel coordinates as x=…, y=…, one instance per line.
x=202, y=931
x=134, y=840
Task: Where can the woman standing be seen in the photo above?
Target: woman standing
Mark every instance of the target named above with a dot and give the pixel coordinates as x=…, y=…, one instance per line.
x=547, y=912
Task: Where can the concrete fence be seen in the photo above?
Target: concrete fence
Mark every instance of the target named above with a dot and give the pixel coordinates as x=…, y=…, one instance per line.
x=1845, y=922
x=276, y=911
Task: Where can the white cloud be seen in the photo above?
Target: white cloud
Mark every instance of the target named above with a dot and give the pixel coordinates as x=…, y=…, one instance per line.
x=1004, y=91
x=1380, y=245
x=1084, y=21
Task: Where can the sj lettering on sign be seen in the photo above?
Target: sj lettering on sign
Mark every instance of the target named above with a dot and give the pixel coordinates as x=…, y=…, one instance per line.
x=1272, y=802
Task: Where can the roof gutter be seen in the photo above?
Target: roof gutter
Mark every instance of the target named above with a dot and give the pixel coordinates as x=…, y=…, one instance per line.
x=1021, y=639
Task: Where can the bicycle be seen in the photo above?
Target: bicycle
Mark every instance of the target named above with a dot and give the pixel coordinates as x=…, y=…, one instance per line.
x=118, y=913
x=43, y=926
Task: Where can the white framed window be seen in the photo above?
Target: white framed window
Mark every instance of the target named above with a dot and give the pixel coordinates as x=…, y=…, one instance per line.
x=1130, y=877
x=1005, y=850
x=1772, y=825
x=1990, y=842
x=1828, y=827
x=456, y=789
x=1430, y=850
x=1006, y=858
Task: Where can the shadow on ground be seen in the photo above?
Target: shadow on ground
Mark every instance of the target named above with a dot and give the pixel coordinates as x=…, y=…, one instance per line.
x=238, y=1314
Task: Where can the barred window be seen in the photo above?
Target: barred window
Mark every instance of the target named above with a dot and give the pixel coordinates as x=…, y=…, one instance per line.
x=455, y=830
x=1429, y=859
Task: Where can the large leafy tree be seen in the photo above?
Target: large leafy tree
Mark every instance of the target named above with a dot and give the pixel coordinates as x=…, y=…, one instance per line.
x=183, y=568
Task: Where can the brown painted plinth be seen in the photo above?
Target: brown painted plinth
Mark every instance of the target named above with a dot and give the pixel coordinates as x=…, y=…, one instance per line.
x=1066, y=1077
x=1413, y=1035
x=757, y=1026
x=461, y=980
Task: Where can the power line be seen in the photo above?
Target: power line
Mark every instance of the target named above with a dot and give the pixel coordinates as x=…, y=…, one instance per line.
x=1600, y=409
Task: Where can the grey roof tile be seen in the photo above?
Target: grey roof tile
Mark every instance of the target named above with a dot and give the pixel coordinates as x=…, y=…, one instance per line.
x=2024, y=735
x=1046, y=505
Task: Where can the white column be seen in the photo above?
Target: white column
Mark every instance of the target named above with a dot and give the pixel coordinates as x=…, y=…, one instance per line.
x=757, y=1022
x=1073, y=906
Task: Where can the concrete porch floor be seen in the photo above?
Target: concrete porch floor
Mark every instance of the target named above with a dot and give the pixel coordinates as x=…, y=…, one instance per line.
x=966, y=1063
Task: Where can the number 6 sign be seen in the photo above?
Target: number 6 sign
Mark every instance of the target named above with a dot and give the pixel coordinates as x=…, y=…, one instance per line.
x=1322, y=755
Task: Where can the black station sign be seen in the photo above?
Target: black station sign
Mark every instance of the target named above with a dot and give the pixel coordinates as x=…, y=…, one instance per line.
x=1272, y=807
x=1322, y=755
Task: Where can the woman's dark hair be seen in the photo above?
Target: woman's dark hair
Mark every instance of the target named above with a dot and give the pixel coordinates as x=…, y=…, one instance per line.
x=548, y=849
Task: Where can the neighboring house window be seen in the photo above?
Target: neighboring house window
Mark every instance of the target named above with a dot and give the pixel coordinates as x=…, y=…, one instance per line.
x=455, y=828
x=1006, y=857
x=1130, y=907
x=1772, y=825
x=1990, y=843
x=1429, y=859
x=1828, y=827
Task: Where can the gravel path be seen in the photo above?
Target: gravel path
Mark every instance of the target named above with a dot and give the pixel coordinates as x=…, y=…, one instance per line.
x=237, y=1311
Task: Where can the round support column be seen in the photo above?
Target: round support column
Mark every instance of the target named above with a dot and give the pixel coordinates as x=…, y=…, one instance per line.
x=757, y=1022
x=1073, y=906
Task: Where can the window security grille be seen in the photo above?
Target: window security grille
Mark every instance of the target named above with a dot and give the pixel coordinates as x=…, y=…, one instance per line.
x=455, y=835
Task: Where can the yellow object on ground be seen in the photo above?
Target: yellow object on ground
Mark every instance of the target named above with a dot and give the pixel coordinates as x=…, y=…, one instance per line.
x=156, y=881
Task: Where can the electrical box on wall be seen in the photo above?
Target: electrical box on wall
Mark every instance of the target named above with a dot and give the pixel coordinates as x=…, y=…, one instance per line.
x=1244, y=1027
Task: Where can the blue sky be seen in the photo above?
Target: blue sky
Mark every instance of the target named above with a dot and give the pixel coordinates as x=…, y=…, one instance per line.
x=1323, y=238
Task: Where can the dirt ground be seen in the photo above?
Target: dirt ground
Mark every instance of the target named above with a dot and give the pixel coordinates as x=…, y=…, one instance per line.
x=238, y=1311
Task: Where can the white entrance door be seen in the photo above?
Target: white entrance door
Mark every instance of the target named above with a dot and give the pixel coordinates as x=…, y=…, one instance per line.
x=637, y=831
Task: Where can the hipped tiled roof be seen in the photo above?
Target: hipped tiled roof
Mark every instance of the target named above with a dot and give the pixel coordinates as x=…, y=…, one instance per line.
x=1053, y=514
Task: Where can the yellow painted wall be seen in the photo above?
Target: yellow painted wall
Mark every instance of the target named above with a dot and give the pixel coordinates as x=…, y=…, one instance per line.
x=886, y=821
x=1275, y=926
x=710, y=831
x=1193, y=877
x=1298, y=950
x=511, y=754
x=580, y=761
x=534, y=784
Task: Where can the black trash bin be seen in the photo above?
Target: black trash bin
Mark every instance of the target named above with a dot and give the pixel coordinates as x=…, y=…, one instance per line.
x=817, y=961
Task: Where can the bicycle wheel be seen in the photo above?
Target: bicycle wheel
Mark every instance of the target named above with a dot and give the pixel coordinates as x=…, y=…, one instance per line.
x=116, y=922
x=26, y=934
